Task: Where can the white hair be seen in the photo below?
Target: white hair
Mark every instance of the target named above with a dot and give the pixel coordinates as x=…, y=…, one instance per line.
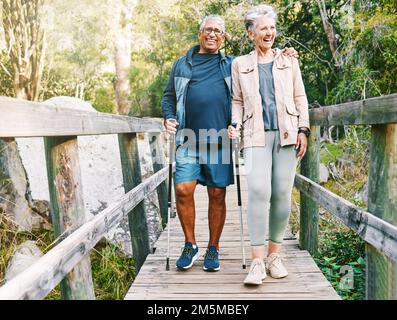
x=256, y=12
x=213, y=17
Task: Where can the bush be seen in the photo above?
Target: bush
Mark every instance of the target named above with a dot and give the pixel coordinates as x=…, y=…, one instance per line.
x=341, y=259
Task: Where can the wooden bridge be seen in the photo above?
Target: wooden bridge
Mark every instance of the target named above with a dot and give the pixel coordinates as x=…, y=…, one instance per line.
x=69, y=262
x=305, y=280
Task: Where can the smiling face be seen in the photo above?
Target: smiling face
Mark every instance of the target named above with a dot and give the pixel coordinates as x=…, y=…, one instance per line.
x=210, y=43
x=264, y=33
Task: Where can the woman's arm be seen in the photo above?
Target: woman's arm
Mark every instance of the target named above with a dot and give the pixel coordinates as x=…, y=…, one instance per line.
x=301, y=105
x=300, y=98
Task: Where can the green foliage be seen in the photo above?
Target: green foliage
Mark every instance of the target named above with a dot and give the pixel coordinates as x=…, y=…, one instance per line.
x=6, y=80
x=112, y=272
x=341, y=258
x=369, y=55
x=329, y=153
x=104, y=100
x=80, y=46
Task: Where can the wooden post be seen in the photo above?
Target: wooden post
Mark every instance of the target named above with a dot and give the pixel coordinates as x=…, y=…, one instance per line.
x=137, y=217
x=156, y=143
x=381, y=275
x=68, y=211
x=310, y=167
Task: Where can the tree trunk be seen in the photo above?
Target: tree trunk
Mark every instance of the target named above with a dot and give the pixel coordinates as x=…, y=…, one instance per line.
x=329, y=31
x=122, y=54
x=25, y=44
x=15, y=195
x=25, y=41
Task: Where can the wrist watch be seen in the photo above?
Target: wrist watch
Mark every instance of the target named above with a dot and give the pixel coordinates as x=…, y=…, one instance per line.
x=305, y=131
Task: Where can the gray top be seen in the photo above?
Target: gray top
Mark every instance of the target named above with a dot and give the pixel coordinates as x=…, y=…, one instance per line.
x=266, y=89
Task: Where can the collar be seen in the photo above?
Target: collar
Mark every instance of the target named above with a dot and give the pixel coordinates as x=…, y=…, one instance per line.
x=192, y=51
x=254, y=55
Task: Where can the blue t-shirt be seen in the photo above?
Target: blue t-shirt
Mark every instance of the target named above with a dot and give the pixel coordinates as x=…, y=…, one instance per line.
x=266, y=88
x=207, y=97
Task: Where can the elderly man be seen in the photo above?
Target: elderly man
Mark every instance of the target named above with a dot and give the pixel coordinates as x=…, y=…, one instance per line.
x=198, y=96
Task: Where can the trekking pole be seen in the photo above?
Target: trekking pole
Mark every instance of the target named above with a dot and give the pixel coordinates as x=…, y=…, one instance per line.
x=236, y=145
x=171, y=157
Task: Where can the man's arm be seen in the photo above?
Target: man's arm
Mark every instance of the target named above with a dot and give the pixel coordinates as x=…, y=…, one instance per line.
x=290, y=52
x=168, y=102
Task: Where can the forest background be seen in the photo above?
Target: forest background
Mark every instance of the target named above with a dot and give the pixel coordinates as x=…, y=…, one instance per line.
x=117, y=54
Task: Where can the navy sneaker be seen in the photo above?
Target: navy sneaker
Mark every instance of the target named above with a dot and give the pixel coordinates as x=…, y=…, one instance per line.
x=211, y=259
x=188, y=256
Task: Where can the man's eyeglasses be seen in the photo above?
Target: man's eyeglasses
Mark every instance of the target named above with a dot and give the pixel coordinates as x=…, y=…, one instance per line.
x=217, y=32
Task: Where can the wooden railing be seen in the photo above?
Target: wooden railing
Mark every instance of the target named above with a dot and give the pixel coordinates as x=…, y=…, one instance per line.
x=378, y=225
x=69, y=261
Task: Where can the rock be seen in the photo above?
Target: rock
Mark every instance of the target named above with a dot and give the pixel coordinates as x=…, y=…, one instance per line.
x=100, y=167
x=15, y=188
x=71, y=103
x=324, y=173
x=362, y=194
x=26, y=254
x=101, y=174
x=335, y=173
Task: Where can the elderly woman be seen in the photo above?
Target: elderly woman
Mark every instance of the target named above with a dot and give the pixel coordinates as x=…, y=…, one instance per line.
x=271, y=110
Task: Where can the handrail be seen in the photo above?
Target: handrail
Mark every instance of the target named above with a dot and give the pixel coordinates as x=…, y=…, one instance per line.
x=60, y=125
x=21, y=118
x=378, y=110
x=377, y=232
x=40, y=278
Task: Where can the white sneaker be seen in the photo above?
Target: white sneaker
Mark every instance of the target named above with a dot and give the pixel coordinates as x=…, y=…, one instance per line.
x=275, y=266
x=256, y=274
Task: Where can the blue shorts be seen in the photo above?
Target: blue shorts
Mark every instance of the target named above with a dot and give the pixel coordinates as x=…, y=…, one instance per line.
x=209, y=164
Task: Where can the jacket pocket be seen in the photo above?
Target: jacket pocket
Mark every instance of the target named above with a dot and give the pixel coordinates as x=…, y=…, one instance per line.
x=291, y=109
x=283, y=63
x=246, y=69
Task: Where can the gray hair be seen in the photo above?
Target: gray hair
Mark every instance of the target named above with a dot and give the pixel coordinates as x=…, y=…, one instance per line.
x=213, y=17
x=256, y=12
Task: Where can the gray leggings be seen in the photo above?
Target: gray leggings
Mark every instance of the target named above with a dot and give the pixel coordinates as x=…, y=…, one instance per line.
x=270, y=176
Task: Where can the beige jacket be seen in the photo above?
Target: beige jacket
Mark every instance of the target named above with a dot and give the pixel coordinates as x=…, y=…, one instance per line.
x=291, y=100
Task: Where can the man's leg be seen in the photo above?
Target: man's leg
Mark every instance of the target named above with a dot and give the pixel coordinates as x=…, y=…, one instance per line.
x=216, y=214
x=186, y=209
x=187, y=174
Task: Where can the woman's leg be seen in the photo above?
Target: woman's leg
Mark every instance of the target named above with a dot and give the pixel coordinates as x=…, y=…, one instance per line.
x=283, y=174
x=258, y=163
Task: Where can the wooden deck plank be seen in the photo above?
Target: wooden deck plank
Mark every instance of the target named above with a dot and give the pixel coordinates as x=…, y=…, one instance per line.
x=305, y=279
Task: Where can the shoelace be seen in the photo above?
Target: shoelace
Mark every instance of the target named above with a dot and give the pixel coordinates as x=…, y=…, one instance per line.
x=276, y=259
x=254, y=268
x=187, y=251
x=212, y=255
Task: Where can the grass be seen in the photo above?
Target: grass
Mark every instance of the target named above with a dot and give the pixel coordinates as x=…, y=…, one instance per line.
x=112, y=271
